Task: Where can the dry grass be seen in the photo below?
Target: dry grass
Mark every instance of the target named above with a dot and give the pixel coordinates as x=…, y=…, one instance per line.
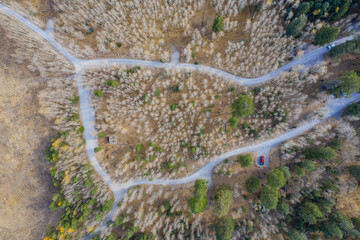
x=144, y=206
x=340, y=66
x=136, y=115
x=37, y=11
x=247, y=46
x=33, y=51
x=26, y=188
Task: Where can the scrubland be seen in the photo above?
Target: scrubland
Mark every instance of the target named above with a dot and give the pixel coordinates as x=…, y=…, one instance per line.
x=33, y=51
x=170, y=123
x=251, y=43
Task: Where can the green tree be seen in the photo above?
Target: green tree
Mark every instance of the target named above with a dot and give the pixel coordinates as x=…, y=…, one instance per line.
x=97, y=149
x=295, y=28
x=342, y=221
x=325, y=204
x=350, y=82
x=335, y=143
x=330, y=229
x=233, y=122
x=252, y=184
x=286, y=171
x=139, y=147
x=303, y=8
x=353, y=110
x=307, y=165
x=276, y=178
x=245, y=160
x=343, y=8
x=294, y=234
x=218, y=24
x=242, y=106
x=351, y=46
x=199, y=202
x=107, y=206
x=356, y=222
x=223, y=200
x=102, y=134
x=283, y=207
x=120, y=220
x=112, y=83
x=111, y=237
x=355, y=171
x=75, y=99
x=98, y=93
x=299, y=171
x=130, y=233
x=269, y=197
x=323, y=152
x=326, y=35
x=310, y=212
x=224, y=228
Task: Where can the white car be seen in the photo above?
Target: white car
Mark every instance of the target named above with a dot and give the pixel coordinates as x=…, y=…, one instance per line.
x=330, y=46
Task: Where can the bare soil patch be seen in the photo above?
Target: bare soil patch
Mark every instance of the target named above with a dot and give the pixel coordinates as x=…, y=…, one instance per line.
x=337, y=67
x=26, y=188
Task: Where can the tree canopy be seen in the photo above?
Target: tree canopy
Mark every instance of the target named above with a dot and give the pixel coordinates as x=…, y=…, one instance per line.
x=353, y=110
x=98, y=93
x=286, y=171
x=310, y=212
x=252, y=184
x=299, y=171
x=269, y=197
x=242, y=106
x=276, y=178
x=199, y=202
x=323, y=152
x=356, y=222
x=223, y=200
x=218, y=24
x=341, y=220
x=295, y=28
x=325, y=204
x=303, y=8
x=350, y=82
x=224, y=228
x=294, y=234
x=233, y=122
x=330, y=229
x=307, y=165
x=351, y=46
x=326, y=35
x=283, y=207
x=245, y=160
x=320, y=9
x=335, y=143
x=344, y=223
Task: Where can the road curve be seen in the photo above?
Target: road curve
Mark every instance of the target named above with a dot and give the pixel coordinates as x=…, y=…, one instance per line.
x=309, y=58
x=334, y=106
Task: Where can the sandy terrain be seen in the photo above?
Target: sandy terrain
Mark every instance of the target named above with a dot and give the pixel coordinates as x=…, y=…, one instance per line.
x=26, y=188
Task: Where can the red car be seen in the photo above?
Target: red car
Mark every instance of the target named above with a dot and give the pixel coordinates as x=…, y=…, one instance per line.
x=262, y=160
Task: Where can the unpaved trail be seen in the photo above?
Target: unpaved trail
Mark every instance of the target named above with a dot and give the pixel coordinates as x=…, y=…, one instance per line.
x=333, y=107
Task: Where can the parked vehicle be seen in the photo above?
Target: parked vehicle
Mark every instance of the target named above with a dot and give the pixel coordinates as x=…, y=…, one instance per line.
x=262, y=160
x=298, y=52
x=330, y=46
